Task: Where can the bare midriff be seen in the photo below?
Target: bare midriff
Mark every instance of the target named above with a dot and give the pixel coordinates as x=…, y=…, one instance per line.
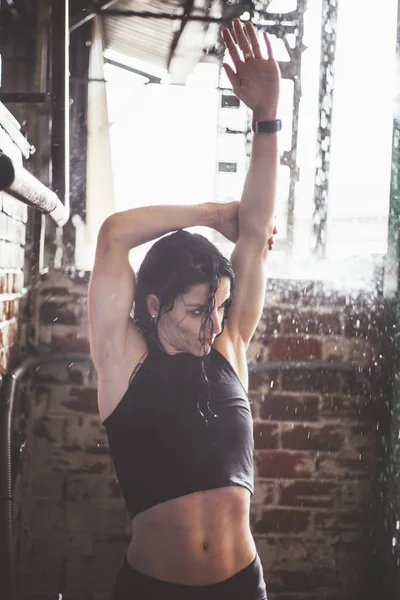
x=198, y=539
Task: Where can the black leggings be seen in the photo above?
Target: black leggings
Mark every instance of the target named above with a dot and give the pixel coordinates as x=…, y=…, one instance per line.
x=248, y=584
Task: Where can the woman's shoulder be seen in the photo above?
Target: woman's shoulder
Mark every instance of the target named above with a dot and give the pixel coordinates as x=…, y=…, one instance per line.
x=235, y=355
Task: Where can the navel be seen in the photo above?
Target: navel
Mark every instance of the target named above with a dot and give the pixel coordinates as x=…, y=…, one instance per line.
x=205, y=546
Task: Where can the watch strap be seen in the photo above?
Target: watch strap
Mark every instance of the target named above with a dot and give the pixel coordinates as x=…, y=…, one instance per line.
x=267, y=126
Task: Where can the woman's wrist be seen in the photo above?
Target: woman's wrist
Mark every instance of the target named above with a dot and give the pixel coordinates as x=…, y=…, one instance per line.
x=265, y=114
x=210, y=214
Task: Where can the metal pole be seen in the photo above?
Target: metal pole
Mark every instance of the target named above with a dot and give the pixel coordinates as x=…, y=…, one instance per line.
x=59, y=20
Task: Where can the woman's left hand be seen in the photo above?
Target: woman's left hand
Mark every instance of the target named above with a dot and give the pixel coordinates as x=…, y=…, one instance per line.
x=271, y=240
x=257, y=80
x=228, y=222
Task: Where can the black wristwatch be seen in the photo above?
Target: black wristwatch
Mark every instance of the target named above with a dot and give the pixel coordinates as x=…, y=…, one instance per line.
x=267, y=126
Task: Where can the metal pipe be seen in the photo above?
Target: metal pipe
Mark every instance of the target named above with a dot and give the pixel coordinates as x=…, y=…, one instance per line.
x=114, y=12
x=92, y=12
x=312, y=365
x=8, y=390
x=60, y=169
x=25, y=97
x=23, y=186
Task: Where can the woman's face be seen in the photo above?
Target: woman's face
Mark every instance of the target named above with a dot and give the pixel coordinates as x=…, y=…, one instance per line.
x=179, y=330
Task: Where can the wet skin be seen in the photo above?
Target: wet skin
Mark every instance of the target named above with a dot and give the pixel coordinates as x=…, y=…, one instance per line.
x=179, y=330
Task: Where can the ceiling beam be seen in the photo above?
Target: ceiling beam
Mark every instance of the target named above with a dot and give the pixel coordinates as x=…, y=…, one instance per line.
x=89, y=13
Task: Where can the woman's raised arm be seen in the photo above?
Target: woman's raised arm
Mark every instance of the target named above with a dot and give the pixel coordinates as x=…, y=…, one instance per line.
x=256, y=82
x=137, y=226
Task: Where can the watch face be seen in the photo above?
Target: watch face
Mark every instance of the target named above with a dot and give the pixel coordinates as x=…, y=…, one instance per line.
x=267, y=126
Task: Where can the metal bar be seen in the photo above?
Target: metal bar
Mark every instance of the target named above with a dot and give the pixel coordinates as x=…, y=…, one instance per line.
x=324, y=135
x=119, y=12
x=313, y=365
x=77, y=21
x=145, y=14
x=152, y=78
x=25, y=97
x=60, y=100
x=23, y=186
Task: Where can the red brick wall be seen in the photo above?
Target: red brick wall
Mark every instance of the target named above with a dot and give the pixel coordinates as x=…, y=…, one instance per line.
x=317, y=445
x=13, y=217
x=316, y=450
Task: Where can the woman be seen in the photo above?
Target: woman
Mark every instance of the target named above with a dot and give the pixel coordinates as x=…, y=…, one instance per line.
x=172, y=379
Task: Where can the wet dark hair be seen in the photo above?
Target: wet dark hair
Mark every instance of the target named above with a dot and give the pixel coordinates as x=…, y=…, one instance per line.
x=171, y=267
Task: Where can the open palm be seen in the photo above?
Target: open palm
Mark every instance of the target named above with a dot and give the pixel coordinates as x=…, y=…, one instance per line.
x=255, y=80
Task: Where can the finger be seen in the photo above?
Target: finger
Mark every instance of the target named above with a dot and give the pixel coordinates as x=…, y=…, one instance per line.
x=233, y=78
x=251, y=34
x=243, y=42
x=268, y=44
x=231, y=46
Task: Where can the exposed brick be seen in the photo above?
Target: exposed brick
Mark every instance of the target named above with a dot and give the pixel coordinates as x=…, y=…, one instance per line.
x=317, y=494
x=265, y=436
x=47, y=484
x=8, y=333
x=256, y=399
x=309, y=437
x=364, y=437
x=42, y=429
x=285, y=407
x=303, y=380
x=312, y=323
x=82, y=400
x=261, y=381
x=70, y=343
x=303, y=584
x=264, y=493
x=13, y=309
x=75, y=377
x=74, y=460
x=294, y=348
x=55, y=291
x=353, y=385
x=9, y=283
x=336, y=467
x=345, y=407
x=8, y=357
x=284, y=464
x=51, y=312
x=275, y=520
x=4, y=310
x=363, y=325
x=271, y=320
x=356, y=495
x=342, y=521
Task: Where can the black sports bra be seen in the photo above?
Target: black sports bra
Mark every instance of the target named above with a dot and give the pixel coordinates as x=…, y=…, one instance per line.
x=173, y=433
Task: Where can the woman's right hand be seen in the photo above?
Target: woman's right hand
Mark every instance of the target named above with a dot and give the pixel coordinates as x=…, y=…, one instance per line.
x=228, y=221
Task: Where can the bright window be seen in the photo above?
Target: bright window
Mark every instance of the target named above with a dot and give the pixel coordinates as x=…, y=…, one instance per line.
x=166, y=148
